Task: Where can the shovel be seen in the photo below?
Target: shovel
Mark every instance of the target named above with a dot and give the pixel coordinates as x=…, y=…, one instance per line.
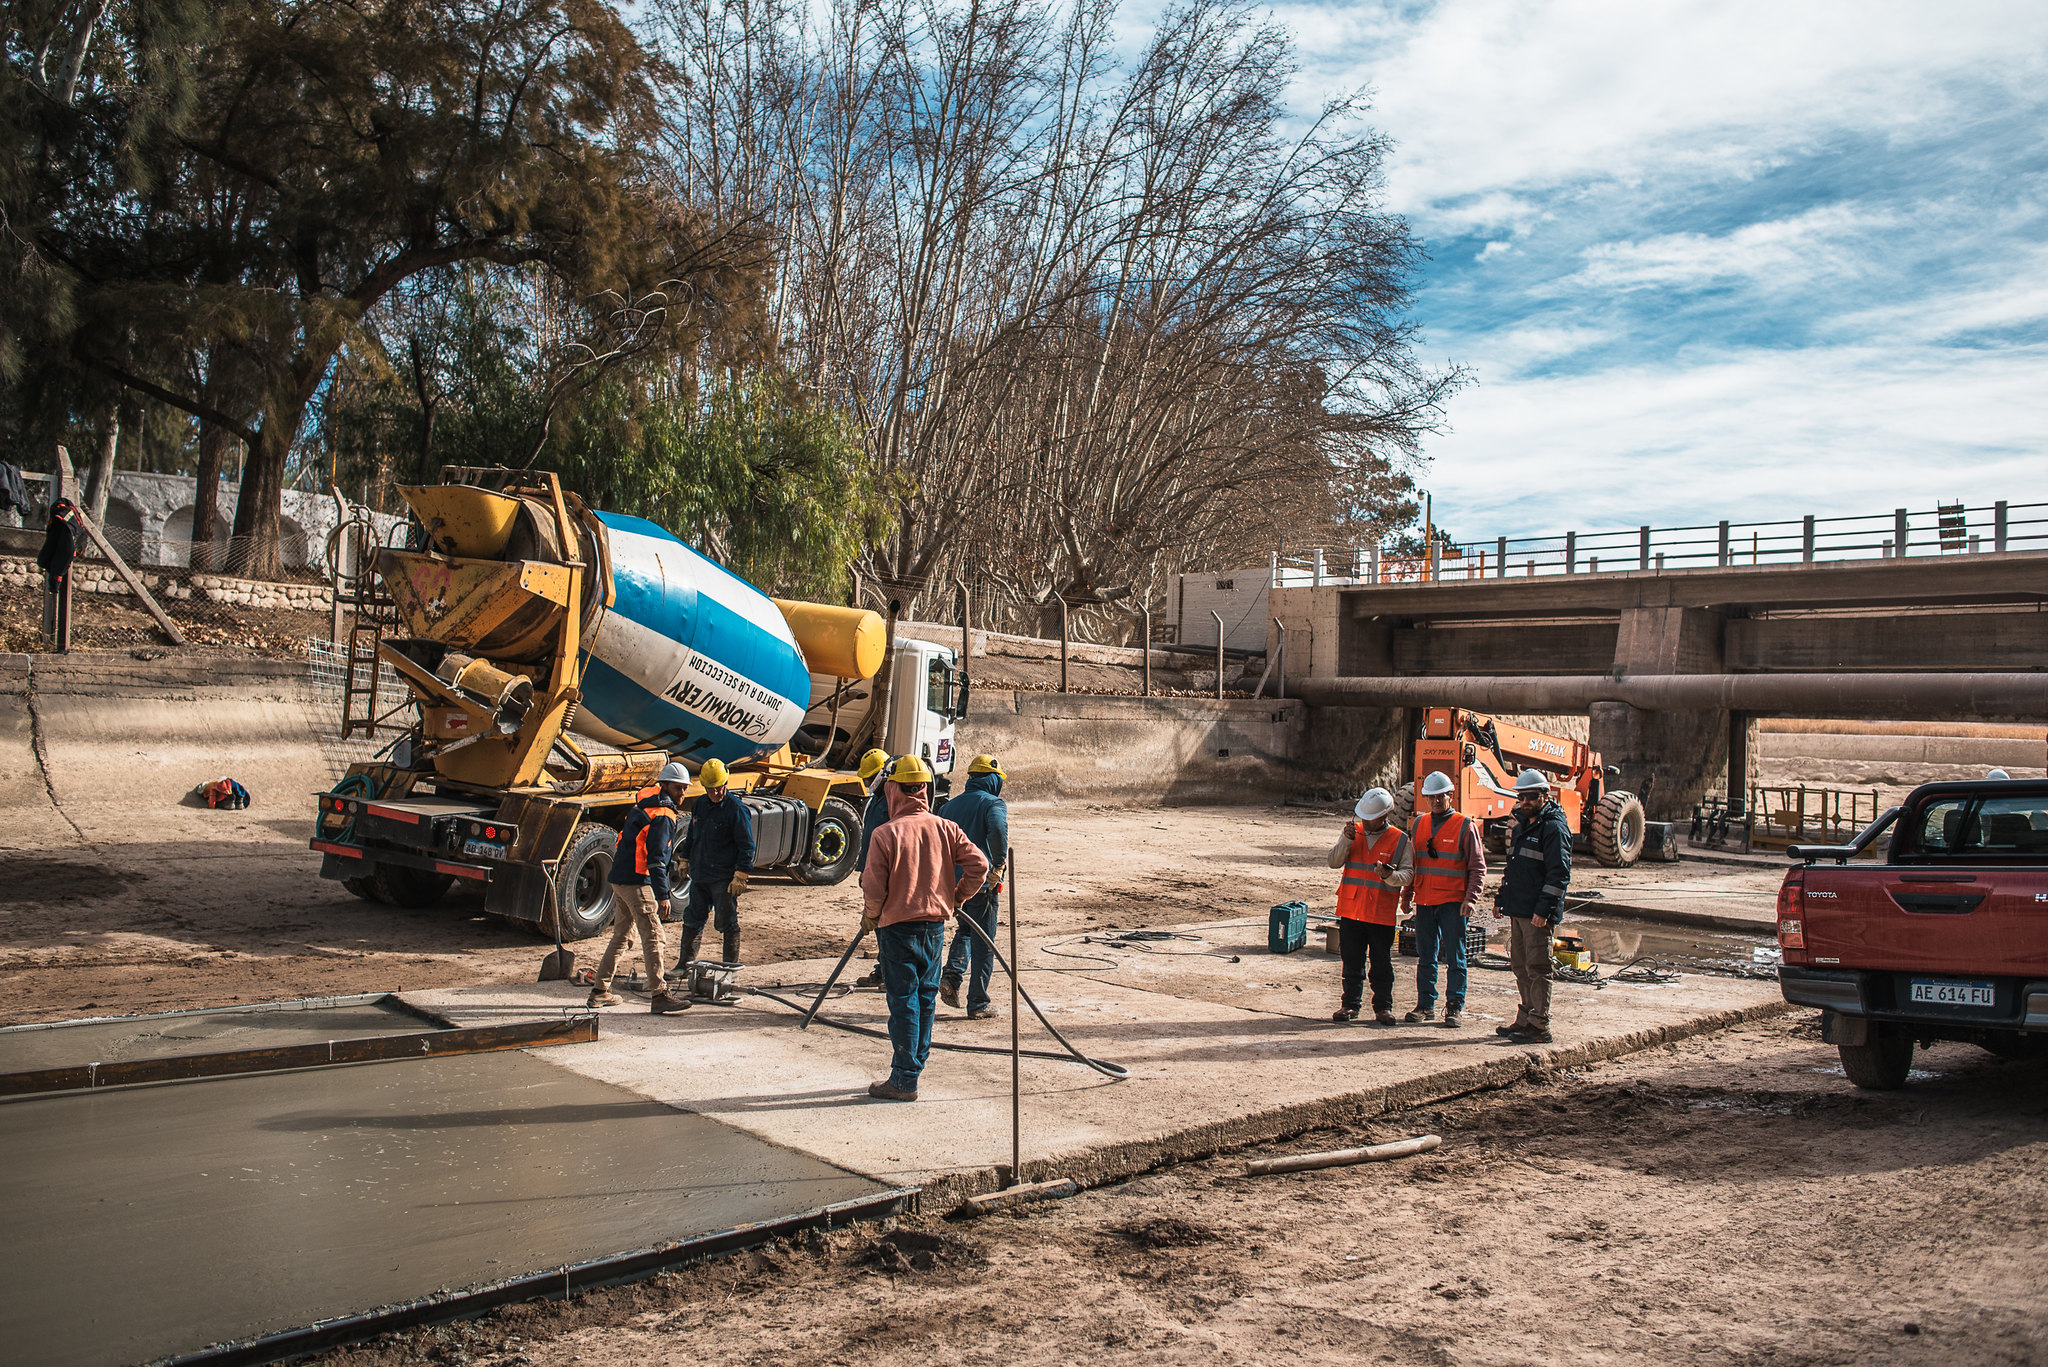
x=560, y=965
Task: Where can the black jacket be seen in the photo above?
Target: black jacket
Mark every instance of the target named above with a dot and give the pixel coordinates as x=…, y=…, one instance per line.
x=720, y=841
x=60, y=547
x=1539, y=866
x=645, y=843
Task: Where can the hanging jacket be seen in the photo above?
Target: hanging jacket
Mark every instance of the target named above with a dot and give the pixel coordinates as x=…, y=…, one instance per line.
x=13, y=489
x=1366, y=893
x=1450, y=862
x=646, y=841
x=981, y=812
x=60, y=547
x=910, y=875
x=720, y=839
x=1539, y=866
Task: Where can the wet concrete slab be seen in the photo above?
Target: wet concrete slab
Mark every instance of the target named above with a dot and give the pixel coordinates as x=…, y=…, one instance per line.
x=1220, y=1053
x=182, y=1033
x=154, y=1221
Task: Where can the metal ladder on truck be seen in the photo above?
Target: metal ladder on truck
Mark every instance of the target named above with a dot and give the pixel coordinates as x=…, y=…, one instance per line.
x=372, y=612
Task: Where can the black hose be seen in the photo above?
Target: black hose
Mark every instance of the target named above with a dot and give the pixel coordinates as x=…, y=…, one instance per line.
x=1116, y=1072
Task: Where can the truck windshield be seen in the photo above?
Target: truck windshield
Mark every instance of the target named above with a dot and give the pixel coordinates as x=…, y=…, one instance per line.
x=1985, y=826
x=943, y=689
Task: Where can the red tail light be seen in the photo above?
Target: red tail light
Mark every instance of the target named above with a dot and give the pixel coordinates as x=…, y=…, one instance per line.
x=1792, y=915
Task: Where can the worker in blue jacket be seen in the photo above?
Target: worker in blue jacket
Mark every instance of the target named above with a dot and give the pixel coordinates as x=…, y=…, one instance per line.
x=719, y=848
x=981, y=812
x=1539, y=869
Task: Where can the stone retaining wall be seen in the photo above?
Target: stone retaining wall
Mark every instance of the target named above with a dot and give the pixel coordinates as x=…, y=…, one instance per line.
x=89, y=576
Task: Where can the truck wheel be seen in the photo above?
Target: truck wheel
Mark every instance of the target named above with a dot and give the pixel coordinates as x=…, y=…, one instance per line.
x=1882, y=1064
x=833, y=846
x=1404, y=807
x=398, y=886
x=361, y=888
x=1617, y=829
x=583, y=891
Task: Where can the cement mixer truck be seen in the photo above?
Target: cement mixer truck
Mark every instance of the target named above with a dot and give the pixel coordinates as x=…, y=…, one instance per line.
x=556, y=657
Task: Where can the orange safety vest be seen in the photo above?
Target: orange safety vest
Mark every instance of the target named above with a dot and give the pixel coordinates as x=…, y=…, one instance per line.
x=640, y=830
x=1439, y=874
x=1364, y=895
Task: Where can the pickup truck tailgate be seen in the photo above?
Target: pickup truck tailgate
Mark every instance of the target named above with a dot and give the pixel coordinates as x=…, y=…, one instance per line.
x=1923, y=920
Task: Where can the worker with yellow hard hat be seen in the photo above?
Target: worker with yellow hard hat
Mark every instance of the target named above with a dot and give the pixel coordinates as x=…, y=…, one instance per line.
x=921, y=868
x=719, y=846
x=981, y=812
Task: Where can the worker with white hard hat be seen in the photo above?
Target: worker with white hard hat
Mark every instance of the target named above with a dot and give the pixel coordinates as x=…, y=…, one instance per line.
x=1378, y=862
x=640, y=890
x=1450, y=869
x=1531, y=896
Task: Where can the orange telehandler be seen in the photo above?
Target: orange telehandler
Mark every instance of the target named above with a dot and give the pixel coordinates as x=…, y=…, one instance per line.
x=1482, y=755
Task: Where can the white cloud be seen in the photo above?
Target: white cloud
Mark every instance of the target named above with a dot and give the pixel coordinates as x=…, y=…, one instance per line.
x=1817, y=242
x=1751, y=435
x=2016, y=295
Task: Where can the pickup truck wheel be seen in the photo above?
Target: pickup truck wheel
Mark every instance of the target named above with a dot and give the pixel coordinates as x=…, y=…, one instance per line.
x=1617, y=829
x=834, y=845
x=398, y=886
x=1404, y=807
x=583, y=890
x=1882, y=1064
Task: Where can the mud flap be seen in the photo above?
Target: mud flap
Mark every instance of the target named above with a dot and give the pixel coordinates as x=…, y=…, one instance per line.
x=1836, y=1028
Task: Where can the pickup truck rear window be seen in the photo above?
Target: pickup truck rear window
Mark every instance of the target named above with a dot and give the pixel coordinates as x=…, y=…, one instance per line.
x=1984, y=826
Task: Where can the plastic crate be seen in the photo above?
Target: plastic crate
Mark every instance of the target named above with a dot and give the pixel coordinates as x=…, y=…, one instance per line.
x=1475, y=938
x=1287, y=927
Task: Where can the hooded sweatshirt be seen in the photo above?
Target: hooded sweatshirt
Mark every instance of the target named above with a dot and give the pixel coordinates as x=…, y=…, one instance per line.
x=981, y=812
x=909, y=874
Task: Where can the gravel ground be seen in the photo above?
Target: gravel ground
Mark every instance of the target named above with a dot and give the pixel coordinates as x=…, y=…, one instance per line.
x=1728, y=1199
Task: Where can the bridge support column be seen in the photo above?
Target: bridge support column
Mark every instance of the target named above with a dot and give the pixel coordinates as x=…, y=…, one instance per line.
x=1677, y=756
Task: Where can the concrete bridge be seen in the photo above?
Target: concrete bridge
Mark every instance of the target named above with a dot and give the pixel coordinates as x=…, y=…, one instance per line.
x=1672, y=666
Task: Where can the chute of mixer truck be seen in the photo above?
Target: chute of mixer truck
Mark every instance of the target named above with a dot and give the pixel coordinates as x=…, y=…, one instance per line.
x=555, y=658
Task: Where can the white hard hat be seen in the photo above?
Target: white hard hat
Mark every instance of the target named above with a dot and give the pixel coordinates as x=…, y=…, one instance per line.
x=672, y=772
x=1998, y=773
x=1376, y=803
x=1531, y=781
x=1438, y=782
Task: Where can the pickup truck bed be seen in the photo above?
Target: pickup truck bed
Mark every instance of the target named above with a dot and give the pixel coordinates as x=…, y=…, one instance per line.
x=1945, y=940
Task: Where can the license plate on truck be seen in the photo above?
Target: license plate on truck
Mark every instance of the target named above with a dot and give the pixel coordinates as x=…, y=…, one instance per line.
x=1948, y=992
x=484, y=849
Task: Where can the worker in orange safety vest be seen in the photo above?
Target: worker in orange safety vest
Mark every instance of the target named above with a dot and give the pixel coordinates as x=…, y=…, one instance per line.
x=1450, y=868
x=1378, y=862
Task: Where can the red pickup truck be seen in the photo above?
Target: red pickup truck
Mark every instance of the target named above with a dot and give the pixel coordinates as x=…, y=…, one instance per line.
x=1945, y=939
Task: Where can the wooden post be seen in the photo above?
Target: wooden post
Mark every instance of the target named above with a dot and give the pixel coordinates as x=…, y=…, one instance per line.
x=67, y=485
x=1146, y=646
x=1063, y=643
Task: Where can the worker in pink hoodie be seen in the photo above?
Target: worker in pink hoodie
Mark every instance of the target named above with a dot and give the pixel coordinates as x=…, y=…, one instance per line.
x=910, y=893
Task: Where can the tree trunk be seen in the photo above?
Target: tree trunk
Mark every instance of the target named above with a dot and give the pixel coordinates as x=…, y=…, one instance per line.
x=255, y=550
x=207, y=554
x=100, y=479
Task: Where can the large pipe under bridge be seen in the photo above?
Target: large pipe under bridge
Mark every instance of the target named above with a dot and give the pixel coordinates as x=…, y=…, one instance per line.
x=1893, y=697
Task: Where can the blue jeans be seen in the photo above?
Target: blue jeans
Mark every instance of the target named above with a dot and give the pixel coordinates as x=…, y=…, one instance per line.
x=704, y=898
x=909, y=954
x=968, y=949
x=1440, y=938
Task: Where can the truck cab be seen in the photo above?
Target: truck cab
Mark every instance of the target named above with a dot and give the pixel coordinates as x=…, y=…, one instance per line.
x=927, y=697
x=1943, y=937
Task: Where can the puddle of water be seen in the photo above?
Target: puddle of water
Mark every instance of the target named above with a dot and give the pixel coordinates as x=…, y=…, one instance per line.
x=1615, y=942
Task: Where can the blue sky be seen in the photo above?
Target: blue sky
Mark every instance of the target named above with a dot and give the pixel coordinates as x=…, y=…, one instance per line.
x=1716, y=259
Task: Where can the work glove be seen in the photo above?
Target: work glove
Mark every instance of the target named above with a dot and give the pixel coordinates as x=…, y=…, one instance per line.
x=870, y=920
x=738, y=884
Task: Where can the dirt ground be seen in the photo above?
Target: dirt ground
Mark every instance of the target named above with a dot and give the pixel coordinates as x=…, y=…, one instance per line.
x=1727, y=1199
x=125, y=928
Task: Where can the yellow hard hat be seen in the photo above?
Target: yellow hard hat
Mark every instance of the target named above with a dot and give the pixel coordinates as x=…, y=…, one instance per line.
x=910, y=771
x=987, y=764
x=872, y=763
x=713, y=774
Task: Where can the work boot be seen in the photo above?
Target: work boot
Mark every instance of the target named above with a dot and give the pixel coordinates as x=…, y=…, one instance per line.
x=1419, y=1015
x=873, y=979
x=1385, y=1017
x=949, y=992
x=693, y=940
x=1507, y=1029
x=732, y=946
x=982, y=1013
x=665, y=1005
x=885, y=1090
x=1453, y=1019
x=600, y=996
x=1529, y=1035
x=1343, y=1015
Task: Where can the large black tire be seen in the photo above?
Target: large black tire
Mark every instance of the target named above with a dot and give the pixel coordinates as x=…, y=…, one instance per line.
x=398, y=886
x=361, y=888
x=833, y=846
x=1616, y=830
x=583, y=890
x=1882, y=1064
x=1497, y=833
x=1404, y=807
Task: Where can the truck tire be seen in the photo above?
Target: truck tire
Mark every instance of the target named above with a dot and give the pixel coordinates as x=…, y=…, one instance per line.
x=833, y=845
x=583, y=890
x=1404, y=807
x=360, y=887
x=398, y=886
x=1617, y=829
x=1882, y=1064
